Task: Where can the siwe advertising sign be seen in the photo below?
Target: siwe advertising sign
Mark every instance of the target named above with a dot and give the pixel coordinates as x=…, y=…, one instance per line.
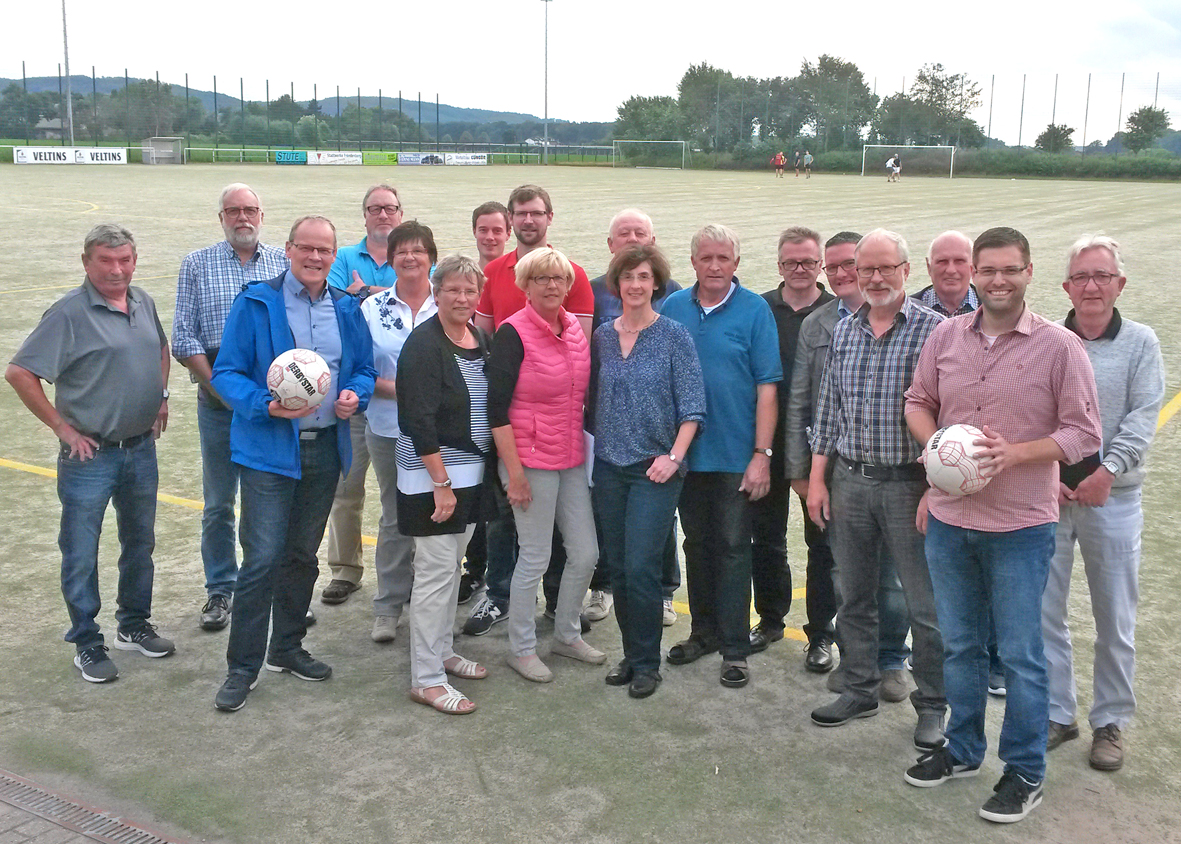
x=69, y=155
x=420, y=158
x=467, y=158
x=291, y=156
x=329, y=157
x=379, y=158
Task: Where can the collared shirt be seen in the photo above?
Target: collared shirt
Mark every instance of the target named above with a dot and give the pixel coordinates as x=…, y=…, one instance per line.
x=860, y=408
x=208, y=281
x=357, y=258
x=1032, y=382
x=501, y=298
x=930, y=298
x=103, y=363
x=313, y=325
x=390, y=322
x=739, y=349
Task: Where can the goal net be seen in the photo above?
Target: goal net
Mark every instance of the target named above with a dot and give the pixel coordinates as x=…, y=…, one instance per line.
x=662, y=155
x=916, y=160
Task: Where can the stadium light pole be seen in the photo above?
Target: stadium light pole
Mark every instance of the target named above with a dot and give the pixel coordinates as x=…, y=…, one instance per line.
x=545, y=119
x=69, y=93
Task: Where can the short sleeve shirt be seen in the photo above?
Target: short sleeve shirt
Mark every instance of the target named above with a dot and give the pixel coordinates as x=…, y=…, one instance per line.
x=502, y=298
x=103, y=363
x=357, y=257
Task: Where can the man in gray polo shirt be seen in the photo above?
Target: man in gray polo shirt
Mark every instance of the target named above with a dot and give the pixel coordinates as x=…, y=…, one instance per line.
x=103, y=348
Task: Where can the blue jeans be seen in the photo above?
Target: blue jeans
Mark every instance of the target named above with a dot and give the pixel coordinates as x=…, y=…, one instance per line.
x=282, y=523
x=219, y=480
x=973, y=571
x=636, y=515
x=128, y=477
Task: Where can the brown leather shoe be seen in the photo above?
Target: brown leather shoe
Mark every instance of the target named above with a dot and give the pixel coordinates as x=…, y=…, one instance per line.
x=1107, y=749
x=1059, y=733
x=337, y=591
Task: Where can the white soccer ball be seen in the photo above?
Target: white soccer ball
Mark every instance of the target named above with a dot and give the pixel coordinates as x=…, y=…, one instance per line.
x=299, y=378
x=951, y=460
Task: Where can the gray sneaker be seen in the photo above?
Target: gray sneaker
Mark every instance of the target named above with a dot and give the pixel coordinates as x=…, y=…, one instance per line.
x=844, y=709
x=928, y=734
x=95, y=665
x=896, y=685
x=144, y=640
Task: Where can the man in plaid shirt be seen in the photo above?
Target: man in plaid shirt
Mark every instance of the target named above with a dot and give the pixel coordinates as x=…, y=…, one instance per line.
x=877, y=484
x=209, y=280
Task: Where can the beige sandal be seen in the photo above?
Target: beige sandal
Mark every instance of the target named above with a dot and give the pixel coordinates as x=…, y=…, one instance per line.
x=449, y=702
x=458, y=666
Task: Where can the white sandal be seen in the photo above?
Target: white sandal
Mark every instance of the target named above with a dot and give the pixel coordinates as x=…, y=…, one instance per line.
x=465, y=668
x=448, y=702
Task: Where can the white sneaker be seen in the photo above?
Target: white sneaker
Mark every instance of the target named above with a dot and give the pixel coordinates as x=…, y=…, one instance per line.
x=670, y=615
x=598, y=605
x=385, y=628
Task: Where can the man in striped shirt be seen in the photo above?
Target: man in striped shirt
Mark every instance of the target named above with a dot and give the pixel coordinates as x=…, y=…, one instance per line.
x=1027, y=384
x=877, y=484
x=209, y=280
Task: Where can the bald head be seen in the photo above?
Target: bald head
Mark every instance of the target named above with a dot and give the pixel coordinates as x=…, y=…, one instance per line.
x=630, y=227
x=949, y=264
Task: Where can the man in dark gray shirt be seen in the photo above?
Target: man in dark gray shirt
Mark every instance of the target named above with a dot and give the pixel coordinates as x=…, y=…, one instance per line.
x=103, y=348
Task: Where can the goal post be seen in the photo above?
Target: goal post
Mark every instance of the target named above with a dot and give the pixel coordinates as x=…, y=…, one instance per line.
x=916, y=159
x=656, y=155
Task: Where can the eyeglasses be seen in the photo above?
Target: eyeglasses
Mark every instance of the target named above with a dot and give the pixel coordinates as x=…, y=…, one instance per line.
x=528, y=214
x=323, y=251
x=390, y=210
x=547, y=280
x=249, y=211
x=404, y=253
x=808, y=265
x=887, y=271
x=459, y=292
x=1007, y=273
x=630, y=276
x=847, y=266
x=1099, y=277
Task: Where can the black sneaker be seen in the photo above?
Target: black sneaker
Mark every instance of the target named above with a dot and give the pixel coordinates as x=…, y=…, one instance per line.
x=936, y=767
x=486, y=613
x=996, y=684
x=844, y=709
x=215, y=615
x=300, y=663
x=144, y=640
x=95, y=665
x=1014, y=798
x=232, y=695
x=469, y=585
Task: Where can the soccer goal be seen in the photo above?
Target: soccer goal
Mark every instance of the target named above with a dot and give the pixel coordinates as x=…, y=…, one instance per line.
x=653, y=155
x=915, y=159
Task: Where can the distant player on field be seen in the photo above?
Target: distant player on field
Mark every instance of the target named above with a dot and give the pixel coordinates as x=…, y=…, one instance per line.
x=779, y=159
x=807, y=164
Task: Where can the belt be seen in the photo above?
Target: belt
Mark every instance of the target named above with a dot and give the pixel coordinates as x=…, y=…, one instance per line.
x=315, y=433
x=873, y=472
x=127, y=443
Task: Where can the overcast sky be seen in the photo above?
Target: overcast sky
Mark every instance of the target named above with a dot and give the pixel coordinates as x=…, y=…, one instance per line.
x=490, y=54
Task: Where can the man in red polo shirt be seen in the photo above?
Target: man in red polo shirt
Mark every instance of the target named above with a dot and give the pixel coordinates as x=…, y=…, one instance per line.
x=532, y=212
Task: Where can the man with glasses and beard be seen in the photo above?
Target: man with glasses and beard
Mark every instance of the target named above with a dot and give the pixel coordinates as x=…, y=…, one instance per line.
x=209, y=280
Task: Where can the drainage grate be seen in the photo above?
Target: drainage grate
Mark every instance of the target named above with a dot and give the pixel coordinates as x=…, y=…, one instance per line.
x=95, y=825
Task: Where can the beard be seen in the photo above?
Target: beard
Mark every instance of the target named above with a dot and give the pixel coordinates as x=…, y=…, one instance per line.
x=245, y=237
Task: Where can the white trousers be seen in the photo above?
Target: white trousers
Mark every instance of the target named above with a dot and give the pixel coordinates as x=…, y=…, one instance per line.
x=432, y=605
x=1109, y=539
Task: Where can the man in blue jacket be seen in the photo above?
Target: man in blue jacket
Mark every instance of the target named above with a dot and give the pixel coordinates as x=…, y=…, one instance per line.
x=290, y=459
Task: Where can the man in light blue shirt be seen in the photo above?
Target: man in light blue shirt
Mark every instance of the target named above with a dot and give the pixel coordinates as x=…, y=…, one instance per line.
x=209, y=280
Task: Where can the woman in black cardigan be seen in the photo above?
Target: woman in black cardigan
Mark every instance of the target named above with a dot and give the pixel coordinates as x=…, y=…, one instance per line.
x=441, y=454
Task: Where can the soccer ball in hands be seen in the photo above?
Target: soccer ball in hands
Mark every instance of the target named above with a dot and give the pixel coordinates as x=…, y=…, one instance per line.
x=299, y=378
x=951, y=460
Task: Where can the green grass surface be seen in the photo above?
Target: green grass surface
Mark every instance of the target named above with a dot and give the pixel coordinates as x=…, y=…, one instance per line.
x=352, y=760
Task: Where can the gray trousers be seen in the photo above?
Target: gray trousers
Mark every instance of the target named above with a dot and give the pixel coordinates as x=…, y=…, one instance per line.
x=1109, y=539
x=394, y=559
x=432, y=607
x=345, y=559
x=563, y=497
x=865, y=514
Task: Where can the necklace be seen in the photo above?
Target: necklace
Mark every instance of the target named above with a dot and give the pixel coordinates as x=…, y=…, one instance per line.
x=462, y=336
x=627, y=330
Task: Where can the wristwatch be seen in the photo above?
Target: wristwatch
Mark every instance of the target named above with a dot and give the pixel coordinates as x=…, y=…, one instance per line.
x=1111, y=466
x=765, y=451
x=444, y=485
x=673, y=457
x=165, y=394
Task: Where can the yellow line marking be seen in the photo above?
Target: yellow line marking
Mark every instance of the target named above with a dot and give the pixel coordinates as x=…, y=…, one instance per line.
x=1168, y=411
x=25, y=467
x=89, y=210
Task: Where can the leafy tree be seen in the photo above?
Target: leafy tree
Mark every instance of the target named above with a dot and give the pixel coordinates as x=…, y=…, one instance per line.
x=1055, y=138
x=310, y=131
x=466, y=137
x=1145, y=125
x=700, y=94
x=19, y=112
x=650, y=118
x=839, y=101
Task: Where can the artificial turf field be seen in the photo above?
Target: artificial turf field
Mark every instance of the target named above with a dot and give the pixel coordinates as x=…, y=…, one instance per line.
x=353, y=760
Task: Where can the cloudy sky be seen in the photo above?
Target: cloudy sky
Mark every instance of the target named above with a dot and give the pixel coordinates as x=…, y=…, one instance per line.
x=490, y=54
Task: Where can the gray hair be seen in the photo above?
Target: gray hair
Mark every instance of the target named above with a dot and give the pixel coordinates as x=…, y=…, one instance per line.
x=230, y=188
x=628, y=212
x=798, y=234
x=295, y=227
x=109, y=235
x=898, y=240
x=382, y=186
x=714, y=233
x=453, y=265
x=1095, y=241
x=967, y=240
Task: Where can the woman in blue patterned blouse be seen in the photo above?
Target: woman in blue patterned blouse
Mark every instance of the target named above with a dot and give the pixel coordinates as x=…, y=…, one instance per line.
x=649, y=401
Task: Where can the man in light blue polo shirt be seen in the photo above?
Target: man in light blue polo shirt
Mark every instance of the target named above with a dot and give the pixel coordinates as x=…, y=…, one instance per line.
x=362, y=270
x=730, y=461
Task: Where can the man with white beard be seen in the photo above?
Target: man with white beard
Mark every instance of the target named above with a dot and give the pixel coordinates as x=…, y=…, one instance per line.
x=209, y=280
